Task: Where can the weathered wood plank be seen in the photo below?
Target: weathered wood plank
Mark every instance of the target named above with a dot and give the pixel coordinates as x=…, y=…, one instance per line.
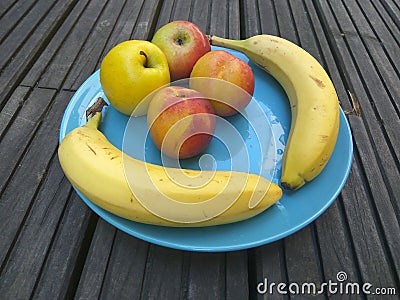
x=224, y=19
x=383, y=50
x=233, y=19
x=5, y=5
x=393, y=9
x=378, y=43
x=61, y=269
x=96, y=263
x=22, y=131
x=385, y=203
x=200, y=15
x=89, y=54
x=285, y=21
x=65, y=57
x=381, y=180
x=165, y=15
x=373, y=84
x=13, y=15
x=181, y=9
x=125, y=273
x=22, y=31
x=16, y=199
x=267, y=266
x=164, y=274
x=335, y=247
x=124, y=26
x=306, y=37
x=24, y=262
x=349, y=68
x=39, y=66
x=25, y=51
x=250, y=19
x=369, y=247
x=268, y=18
x=146, y=23
x=206, y=277
x=383, y=27
x=303, y=262
x=237, y=275
x=333, y=65
x=9, y=112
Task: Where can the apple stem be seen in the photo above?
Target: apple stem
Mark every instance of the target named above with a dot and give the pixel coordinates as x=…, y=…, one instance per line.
x=209, y=37
x=144, y=54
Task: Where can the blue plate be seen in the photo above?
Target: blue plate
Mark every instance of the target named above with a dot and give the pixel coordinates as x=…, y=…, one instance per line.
x=295, y=209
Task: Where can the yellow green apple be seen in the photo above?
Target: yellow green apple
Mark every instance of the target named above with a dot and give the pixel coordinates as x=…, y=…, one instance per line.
x=183, y=43
x=225, y=79
x=181, y=121
x=130, y=71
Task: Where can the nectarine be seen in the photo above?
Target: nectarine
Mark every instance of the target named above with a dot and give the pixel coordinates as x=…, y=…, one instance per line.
x=231, y=81
x=181, y=121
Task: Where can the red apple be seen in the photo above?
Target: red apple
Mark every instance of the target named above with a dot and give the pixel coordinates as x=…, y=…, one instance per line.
x=181, y=121
x=183, y=43
x=225, y=79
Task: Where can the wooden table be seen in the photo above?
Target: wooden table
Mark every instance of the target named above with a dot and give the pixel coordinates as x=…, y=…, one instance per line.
x=53, y=246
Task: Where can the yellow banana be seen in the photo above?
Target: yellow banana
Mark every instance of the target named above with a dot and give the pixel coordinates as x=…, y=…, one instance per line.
x=313, y=100
x=152, y=194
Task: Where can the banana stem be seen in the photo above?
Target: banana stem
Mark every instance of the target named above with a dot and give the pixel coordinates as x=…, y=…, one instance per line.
x=227, y=43
x=94, y=121
x=93, y=113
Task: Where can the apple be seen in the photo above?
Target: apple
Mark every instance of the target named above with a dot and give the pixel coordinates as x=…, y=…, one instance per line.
x=225, y=79
x=183, y=44
x=181, y=121
x=130, y=71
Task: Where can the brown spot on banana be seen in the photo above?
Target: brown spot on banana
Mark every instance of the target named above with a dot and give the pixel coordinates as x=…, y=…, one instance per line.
x=91, y=149
x=324, y=137
x=82, y=135
x=319, y=82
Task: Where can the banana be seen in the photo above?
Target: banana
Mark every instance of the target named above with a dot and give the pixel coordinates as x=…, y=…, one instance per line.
x=313, y=101
x=153, y=194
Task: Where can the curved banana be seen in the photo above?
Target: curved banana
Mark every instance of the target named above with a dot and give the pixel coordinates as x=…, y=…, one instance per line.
x=152, y=194
x=313, y=100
